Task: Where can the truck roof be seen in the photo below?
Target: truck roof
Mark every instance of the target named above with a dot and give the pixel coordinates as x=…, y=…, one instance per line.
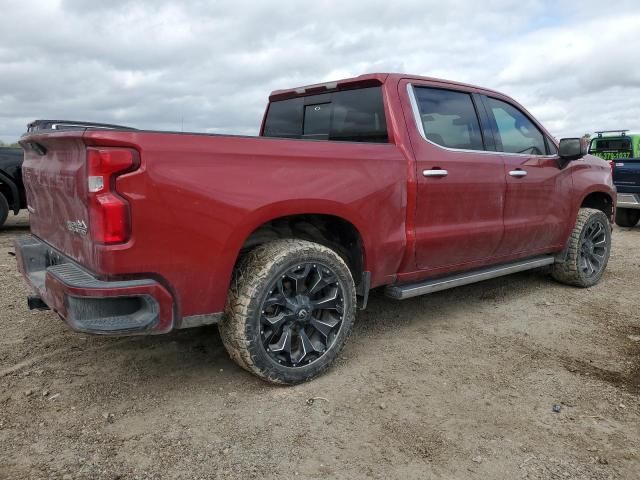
x=368, y=79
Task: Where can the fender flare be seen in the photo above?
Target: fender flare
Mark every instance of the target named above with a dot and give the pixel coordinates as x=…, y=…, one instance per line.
x=600, y=189
x=284, y=209
x=271, y=212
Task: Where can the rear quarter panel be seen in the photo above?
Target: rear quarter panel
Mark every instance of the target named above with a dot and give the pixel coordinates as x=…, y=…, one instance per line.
x=196, y=198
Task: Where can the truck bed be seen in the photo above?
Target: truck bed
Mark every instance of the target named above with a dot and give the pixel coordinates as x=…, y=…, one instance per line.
x=192, y=195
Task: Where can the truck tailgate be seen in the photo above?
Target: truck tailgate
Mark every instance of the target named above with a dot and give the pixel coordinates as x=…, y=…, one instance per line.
x=626, y=175
x=54, y=173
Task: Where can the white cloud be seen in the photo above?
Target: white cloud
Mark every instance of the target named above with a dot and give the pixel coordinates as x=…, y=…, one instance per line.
x=212, y=64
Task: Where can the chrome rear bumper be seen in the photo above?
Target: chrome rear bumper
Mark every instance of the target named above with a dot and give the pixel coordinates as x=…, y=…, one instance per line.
x=628, y=200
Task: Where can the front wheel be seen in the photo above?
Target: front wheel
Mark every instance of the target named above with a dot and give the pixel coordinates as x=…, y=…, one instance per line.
x=588, y=250
x=627, y=217
x=290, y=309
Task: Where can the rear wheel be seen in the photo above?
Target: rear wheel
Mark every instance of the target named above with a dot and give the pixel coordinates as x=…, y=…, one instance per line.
x=588, y=250
x=4, y=209
x=290, y=309
x=627, y=217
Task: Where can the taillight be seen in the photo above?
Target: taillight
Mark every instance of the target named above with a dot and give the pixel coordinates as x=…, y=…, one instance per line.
x=108, y=212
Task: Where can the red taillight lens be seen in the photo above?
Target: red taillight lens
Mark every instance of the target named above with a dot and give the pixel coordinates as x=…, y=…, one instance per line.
x=108, y=212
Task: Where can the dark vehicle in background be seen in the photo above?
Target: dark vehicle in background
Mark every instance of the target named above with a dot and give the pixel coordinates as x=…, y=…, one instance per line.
x=12, y=196
x=622, y=150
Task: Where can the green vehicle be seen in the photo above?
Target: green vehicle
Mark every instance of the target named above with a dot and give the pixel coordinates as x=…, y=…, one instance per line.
x=620, y=145
x=622, y=150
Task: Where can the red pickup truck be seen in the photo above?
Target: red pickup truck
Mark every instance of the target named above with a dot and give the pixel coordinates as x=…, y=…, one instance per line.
x=384, y=180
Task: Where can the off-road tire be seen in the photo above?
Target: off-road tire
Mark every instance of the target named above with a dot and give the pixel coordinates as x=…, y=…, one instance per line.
x=569, y=271
x=4, y=209
x=240, y=327
x=627, y=217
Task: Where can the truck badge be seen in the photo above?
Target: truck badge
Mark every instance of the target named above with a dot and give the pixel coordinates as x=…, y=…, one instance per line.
x=77, y=226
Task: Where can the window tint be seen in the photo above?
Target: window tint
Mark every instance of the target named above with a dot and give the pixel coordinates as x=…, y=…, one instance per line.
x=317, y=119
x=551, y=147
x=616, y=144
x=449, y=118
x=515, y=131
x=349, y=115
x=358, y=115
x=284, y=119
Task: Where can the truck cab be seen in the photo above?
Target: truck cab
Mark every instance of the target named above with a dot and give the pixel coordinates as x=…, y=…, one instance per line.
x=622, y=150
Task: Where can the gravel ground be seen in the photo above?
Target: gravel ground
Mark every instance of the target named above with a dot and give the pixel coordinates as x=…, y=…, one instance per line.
x=460, y=384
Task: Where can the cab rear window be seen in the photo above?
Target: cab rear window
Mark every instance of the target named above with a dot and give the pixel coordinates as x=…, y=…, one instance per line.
x=611, y=144
x=611, y=148
x=348, y=115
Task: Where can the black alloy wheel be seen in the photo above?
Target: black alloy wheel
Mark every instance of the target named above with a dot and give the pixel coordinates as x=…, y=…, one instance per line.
x=593, y=248
x=290, y=309
x=585, y=258
x=302, y=314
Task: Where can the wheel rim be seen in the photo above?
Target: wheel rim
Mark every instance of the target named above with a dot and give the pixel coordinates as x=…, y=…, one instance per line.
x=302, y=314
x=593, y=249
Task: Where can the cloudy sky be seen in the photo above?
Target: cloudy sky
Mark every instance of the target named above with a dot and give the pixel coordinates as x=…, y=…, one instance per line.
x=209, y=65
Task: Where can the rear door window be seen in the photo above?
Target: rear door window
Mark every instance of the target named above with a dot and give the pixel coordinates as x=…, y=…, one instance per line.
x=349, y=115
x=449, y=118
x=516, y=133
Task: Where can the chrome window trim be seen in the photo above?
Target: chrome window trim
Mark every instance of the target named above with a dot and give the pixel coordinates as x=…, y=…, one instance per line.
x=416, y=116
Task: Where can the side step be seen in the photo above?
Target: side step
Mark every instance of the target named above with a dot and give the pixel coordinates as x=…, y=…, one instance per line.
x=400, y=292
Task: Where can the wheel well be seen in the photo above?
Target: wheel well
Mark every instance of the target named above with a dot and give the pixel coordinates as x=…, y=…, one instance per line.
x=599, y=201
x=328, y=230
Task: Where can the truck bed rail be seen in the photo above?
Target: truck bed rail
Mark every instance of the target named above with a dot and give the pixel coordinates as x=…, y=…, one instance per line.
x=43, y=125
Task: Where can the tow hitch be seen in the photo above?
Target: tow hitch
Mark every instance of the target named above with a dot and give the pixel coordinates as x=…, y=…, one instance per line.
x=34, y=302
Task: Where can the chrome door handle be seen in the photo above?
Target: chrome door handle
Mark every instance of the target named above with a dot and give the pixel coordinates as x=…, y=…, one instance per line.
x=435, y=173
x=518, y=173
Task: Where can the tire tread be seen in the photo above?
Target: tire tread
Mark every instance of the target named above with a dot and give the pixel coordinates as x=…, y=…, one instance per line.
x=627, y=217
x=568, y=271
x=4, y=209
x=249, y=279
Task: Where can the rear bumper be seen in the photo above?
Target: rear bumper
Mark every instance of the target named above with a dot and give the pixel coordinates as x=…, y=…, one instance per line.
x=628, y=200
x=87, y=304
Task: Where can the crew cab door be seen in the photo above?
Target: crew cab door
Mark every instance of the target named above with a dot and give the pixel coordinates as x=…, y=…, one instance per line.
x=460, y=184
x=539, y=193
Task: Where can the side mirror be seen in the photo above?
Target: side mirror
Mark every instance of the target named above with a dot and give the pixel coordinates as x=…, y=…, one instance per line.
x=572, y=149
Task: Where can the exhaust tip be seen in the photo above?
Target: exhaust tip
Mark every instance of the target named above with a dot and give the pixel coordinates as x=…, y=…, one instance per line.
x=34, y=302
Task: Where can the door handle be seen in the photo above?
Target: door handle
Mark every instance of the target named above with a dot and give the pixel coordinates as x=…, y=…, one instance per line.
x=435, y=173
x=518, y=173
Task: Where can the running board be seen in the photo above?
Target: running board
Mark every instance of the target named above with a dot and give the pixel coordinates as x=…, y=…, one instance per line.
x=400, y=292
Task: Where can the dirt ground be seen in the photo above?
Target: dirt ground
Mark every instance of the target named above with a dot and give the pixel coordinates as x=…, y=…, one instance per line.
x=455, y=385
